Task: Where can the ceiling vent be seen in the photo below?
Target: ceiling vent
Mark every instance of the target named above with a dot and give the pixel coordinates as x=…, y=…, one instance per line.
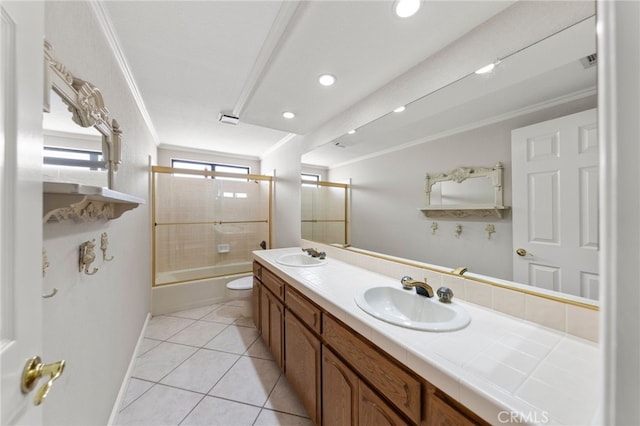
x=589, y=61
x=229, y=119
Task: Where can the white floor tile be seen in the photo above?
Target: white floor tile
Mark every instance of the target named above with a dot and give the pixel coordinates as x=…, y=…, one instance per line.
x=160, y=405
x=196, y=313
x=250, y=380
x=198, y=351
x=146, y=345
x=274, y=418
x=219, y=412
x=234, y=339
x=200, y=372
x=198, y=333
x=159, y=361
x=135, y=388
x=162, y=327
x=259, y=349
x=283, y=398
x=228, y=314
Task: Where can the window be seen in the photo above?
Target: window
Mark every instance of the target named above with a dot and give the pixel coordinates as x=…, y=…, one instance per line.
x=310, y=180
x=91, y=160
x=209, y=167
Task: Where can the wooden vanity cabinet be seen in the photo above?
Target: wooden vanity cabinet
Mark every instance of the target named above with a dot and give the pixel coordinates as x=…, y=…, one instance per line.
x=340, y=377
x=269, y=304
x=255, y=303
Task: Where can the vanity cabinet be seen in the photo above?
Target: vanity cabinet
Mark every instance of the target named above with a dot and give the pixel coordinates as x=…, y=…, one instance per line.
x=271, y=313
x=340, y=377
x=302, y=364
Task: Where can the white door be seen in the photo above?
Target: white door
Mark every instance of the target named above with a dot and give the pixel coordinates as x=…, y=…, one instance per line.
x=555, y=204
x=21, y=84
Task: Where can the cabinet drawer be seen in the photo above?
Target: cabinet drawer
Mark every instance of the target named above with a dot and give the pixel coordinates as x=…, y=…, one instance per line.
x=402, y=389
x=304, y=309
x=273, y=283
x=257, y=270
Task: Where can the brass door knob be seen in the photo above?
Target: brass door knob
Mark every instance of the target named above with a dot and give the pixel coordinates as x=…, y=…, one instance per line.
x=33, y=370
x=521, y=252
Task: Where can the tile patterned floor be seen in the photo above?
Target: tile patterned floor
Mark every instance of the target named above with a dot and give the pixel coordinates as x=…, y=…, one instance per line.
x=208, y=366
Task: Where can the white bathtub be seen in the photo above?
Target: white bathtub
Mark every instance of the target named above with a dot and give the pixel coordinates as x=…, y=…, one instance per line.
x=188, y=292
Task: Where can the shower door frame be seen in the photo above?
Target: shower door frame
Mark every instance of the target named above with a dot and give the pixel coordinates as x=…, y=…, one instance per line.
x=203, y=173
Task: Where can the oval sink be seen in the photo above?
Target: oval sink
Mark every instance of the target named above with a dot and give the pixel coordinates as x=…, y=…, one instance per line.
x=408, y=309
x=300, y=259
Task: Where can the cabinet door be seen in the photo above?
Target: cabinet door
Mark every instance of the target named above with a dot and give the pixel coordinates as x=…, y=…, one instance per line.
x=443, y=414
x=276, y=330
x=255, y=303
x=339, y=391
x=265, y=302
x=272, y=323
x=372, y=410
x=302, y=364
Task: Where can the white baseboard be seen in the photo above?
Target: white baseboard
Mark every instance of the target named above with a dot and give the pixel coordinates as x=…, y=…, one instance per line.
x=125, y=380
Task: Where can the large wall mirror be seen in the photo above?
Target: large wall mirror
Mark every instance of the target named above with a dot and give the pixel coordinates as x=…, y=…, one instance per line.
x=468, y=123
x=82, y=142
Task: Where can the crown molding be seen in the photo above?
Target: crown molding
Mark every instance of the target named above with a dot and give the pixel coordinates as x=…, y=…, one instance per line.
x=113, y=42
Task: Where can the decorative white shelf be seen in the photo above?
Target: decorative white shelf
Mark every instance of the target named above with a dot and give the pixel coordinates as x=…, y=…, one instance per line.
x=83, y=203
x=452, y=210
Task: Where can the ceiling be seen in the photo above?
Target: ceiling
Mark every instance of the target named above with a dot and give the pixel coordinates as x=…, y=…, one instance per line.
x=191, y=60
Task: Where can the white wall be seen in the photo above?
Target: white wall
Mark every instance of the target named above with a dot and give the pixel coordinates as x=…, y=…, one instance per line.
x=94, y=321
x=388, y=190
x=284, y=164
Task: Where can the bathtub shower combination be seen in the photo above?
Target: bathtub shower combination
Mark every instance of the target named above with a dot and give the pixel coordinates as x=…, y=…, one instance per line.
x=206, y=224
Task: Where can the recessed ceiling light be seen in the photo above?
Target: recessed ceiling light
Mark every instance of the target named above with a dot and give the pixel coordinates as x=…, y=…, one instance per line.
x=485, y=69
x=400, y=109
x=350, y=132
x=327, y=79
x=288, y=114
x=406, y=8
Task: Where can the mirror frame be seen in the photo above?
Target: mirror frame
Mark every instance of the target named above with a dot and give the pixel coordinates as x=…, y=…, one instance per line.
x=86, y=105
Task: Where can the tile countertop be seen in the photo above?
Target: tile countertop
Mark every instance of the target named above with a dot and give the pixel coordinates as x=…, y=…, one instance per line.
x=504, y=369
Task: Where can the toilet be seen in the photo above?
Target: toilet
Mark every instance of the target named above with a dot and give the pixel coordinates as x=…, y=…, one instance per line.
x=244, y=283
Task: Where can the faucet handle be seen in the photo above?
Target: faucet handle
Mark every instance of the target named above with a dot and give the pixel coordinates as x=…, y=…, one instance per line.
x=404, y=280
x=445, y=294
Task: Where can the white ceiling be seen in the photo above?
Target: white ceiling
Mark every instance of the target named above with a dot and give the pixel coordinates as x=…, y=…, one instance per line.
x=547, y=73
x=191, y=60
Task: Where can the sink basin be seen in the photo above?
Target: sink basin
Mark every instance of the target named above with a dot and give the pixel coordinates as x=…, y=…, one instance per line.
x=300, y=259
x=408, y=309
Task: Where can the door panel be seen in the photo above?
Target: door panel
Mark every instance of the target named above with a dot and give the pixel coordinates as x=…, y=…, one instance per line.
x=555, y=204
x=21, y=85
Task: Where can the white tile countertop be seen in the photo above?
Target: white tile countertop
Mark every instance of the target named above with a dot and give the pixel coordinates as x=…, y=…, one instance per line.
x=504, y=369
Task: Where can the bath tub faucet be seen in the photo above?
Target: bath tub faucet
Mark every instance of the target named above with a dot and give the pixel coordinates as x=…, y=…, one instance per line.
x=315, y=253
x=422, y=288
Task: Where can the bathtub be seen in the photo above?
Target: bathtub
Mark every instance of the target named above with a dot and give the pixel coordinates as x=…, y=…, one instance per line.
x=186, y=290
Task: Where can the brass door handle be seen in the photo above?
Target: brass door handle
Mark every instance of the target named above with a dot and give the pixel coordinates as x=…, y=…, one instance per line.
x=33, y=370
x=521, y=252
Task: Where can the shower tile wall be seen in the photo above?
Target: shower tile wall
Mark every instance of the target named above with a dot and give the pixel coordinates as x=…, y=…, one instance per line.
x=197, y=200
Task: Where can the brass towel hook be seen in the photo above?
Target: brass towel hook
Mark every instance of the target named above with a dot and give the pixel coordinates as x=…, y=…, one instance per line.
x=87, y=256
x=104, y=244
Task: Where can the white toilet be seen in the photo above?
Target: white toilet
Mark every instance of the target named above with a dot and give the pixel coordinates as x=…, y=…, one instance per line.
x=244, y=283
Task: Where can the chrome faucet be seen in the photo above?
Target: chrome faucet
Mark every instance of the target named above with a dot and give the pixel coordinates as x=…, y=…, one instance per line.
x=315, y=253
x=422, y=288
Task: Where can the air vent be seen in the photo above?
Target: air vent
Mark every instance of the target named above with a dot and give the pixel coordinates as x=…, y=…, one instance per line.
x=589, y=61
x=229, y=119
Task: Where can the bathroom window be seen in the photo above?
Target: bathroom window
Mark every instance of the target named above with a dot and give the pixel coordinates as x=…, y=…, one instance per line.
x=209, y=167
x=69, y=157
x=310, y=180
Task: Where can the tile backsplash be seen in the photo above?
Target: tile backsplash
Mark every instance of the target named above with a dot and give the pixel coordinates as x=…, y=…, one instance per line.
x=563, y=316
